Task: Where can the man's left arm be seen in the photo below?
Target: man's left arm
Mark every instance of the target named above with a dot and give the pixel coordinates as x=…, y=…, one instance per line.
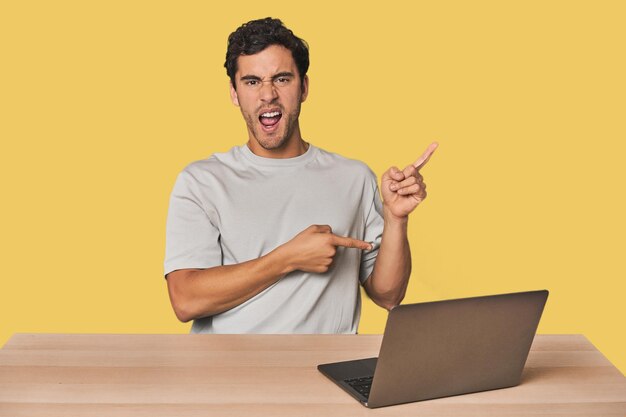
x=402, y=191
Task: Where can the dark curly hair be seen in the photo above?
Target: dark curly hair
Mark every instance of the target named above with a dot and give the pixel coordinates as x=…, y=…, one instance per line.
x=256, y=35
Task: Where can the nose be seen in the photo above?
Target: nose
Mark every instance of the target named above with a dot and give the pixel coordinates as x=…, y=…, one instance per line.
x=268, y=92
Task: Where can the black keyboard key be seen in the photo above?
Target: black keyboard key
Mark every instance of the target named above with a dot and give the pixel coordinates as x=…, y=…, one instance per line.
x=361, y=385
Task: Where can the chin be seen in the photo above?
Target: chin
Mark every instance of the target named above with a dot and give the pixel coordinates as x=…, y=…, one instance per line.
x=272, y=143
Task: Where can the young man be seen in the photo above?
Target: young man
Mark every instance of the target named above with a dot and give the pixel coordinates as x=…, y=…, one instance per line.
x=274, y=236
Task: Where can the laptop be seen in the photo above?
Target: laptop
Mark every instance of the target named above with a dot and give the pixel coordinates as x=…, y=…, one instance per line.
x=444, y=348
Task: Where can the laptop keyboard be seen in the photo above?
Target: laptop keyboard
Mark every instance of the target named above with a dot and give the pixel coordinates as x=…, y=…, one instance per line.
x=361, y=385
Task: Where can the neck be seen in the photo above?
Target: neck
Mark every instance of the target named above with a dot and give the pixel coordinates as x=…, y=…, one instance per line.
x=294, y=146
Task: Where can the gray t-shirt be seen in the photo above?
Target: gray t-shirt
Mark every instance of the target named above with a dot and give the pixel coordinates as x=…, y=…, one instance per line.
x=236, y=206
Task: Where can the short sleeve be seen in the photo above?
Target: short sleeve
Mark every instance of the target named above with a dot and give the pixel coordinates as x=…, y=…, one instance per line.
x=374, y=225
x=192, y=240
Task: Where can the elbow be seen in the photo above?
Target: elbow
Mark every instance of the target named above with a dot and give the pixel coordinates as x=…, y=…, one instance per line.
x=389, y=299
x=183, y=315
x=389, y=304
x=181, y=310
x=181, y=303
x=387, y=292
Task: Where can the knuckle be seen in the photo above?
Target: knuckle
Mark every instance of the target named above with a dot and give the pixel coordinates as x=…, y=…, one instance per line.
x=321, y=227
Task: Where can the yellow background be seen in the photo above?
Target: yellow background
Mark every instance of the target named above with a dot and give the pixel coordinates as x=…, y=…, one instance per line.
x=103, y=103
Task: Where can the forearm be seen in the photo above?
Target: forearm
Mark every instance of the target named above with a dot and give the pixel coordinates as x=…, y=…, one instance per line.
x=388, y=282
x=205, y=292
x=197, y=293
x=401, y=192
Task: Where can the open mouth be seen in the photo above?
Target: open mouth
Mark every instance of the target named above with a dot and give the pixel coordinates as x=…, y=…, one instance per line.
x=269, y=120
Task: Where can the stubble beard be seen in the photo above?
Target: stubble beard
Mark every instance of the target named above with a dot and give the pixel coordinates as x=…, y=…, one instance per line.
x=275, y=140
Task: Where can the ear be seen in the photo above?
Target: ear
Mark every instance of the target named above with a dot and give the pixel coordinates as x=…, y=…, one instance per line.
x=233, y=95
x=305, y=88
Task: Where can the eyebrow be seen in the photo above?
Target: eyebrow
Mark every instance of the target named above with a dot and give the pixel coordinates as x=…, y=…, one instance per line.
x=257, y=78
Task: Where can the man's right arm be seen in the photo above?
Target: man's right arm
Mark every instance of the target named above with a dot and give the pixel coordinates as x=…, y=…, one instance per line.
x=197, y=293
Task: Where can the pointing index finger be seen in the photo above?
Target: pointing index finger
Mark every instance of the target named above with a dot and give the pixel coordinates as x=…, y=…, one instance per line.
x=422, y=160
x=349, y=242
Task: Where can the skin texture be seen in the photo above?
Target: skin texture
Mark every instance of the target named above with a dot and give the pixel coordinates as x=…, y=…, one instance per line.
x=286, y=93
x=269, y=80
x=402, y=191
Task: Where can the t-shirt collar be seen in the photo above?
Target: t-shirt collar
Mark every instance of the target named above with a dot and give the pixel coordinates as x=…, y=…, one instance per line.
x=278, y=162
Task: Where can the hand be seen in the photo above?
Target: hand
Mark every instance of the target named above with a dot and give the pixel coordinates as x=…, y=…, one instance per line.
x=402, y=191
x=313, y=249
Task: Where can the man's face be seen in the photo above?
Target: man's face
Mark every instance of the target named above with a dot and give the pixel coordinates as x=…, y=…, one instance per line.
x=269, y=93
